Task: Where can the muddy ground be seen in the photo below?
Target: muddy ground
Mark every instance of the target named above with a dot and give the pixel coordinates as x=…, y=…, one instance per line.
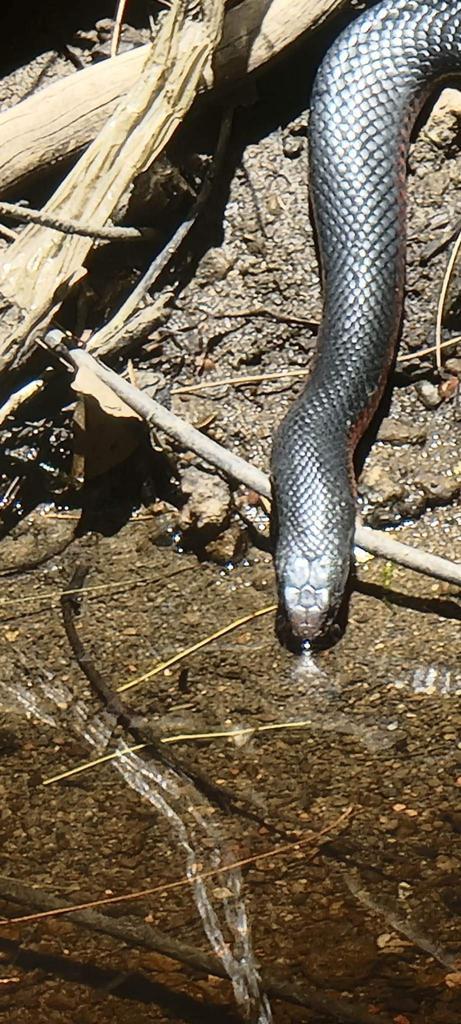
x=372, y=916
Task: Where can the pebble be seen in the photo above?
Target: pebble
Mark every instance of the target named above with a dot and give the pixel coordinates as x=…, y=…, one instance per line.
x=428, y=394
x=401, y=431
x=454, y=366
x=379, y=486
x=208, y=500
x=437, y=485
x=229, y=547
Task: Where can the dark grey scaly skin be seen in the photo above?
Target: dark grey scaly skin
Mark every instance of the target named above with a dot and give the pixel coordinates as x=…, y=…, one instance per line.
x=368, y=91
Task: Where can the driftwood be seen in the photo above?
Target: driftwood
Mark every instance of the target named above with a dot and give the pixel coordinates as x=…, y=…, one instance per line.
x=40, y=268
x=62, y=119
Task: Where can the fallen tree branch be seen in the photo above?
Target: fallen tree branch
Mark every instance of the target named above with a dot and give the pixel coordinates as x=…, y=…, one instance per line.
x=237, y=468
x=146, y=937
x=39, y=269
x=50, y=126
x=41, y=266
x=23, y=394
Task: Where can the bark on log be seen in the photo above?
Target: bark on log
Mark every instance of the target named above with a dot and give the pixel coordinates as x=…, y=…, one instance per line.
x=60, y=120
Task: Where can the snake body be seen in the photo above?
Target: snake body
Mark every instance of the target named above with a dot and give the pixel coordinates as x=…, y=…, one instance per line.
x=366, y=96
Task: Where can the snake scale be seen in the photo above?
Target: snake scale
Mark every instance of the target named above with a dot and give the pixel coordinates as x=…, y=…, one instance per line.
x=367, y=93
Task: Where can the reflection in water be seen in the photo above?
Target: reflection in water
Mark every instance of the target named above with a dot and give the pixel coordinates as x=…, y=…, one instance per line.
x=313, y=692
x=438, y=680
x=160, y=788
x=30, y=700
x=163, y=789
x=306, y=694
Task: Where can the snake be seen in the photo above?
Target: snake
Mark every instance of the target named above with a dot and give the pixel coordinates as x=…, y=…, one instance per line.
x=367, y=93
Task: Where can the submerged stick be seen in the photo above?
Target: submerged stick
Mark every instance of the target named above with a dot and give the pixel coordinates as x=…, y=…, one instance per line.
x=412, y=930
x=136, y=934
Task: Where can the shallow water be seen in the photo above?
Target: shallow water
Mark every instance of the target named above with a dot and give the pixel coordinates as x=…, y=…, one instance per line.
x=369, y=729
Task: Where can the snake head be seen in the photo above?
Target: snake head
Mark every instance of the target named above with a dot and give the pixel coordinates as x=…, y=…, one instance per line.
x=313, y=515
x=311, y=588
x=312, y=531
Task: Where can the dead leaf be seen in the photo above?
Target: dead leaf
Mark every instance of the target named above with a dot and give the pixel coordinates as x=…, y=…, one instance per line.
x=106, y=430
x=87, y=383
x=453, y=980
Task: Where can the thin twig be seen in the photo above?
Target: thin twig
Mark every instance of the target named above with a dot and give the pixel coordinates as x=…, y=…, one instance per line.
x=139, y=728
x=71, y=227
x=223, y=631
x=414, y=933
x=100, y=341
x=144, y=936
x=8, y=496
x=156, y=415
x=188, y=737
x=24, y=394
x=249, y=379
x=117, y=27
x=95, y=589
x=260, y=378
x=286, y=849
x=238, y=469
x=409, y=356
x=70, y=602
x=265, y=311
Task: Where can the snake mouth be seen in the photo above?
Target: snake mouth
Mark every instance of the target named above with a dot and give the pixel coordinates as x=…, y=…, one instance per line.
x=309, y=601
x=306, y=623
x=304, y=595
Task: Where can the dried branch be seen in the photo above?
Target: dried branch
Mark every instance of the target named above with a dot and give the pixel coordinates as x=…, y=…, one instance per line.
x=238, y=469
x=454, y=258
x=116, y=334
x=62, y=119
x=108, y=233
x=42, y=264
x=22, y=395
